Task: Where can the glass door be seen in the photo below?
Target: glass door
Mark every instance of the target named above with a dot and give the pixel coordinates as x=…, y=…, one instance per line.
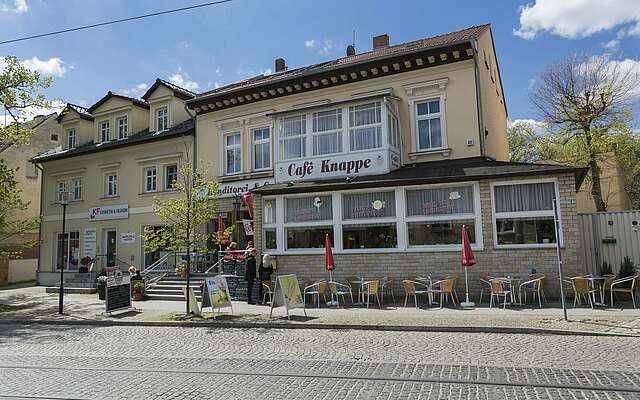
x=110, y=246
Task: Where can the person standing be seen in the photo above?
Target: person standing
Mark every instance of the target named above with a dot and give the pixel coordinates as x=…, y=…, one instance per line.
x=250, y=273
x=264, y=274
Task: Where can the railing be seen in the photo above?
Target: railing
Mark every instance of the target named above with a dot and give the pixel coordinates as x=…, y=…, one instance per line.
x=101, y=262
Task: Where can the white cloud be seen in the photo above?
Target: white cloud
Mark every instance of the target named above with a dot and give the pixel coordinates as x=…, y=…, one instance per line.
x=136, y=91
x=577, y=18
x=182, y=79
x=19, y=6
x=309, y=43
x=627, y=66
x=611, y=44
x=539, y=127
x=52, y=67
x=30, y=112
x=327, y=46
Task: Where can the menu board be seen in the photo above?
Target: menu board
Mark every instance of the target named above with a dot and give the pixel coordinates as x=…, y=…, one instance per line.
x=118, y=293
x=238, y=288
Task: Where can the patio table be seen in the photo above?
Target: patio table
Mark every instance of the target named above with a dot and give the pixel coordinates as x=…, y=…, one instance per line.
x=429, y=284
x=359, y=283
x=514, y=286
x=599, y=282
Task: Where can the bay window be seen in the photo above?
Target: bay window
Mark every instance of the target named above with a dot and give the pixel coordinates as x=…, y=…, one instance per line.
x=365, y=126
x=429, y=124
x=523, y=214
x=369, y=220
x=327, y=132
x=435, y=215
x=307, y=220
x=233, y=153
x=293, y=141
x=261, y=148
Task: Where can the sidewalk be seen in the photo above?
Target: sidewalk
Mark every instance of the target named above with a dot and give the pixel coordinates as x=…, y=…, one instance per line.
x=27, y=304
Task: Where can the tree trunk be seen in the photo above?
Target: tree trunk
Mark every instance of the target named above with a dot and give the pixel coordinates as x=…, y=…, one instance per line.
x=596, y=187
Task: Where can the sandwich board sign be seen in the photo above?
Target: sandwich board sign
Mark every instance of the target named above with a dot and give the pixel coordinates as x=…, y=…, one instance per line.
x=216, y=293
x=117, y=293
x=287, y=294
x=194, y=308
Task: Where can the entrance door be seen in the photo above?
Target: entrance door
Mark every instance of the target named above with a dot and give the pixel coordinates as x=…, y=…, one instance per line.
x=110, y=246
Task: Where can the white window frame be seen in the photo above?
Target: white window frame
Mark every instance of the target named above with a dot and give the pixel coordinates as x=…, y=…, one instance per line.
x=281, y=232
x=526, y=214
x=304, y=136
x=421, y=92
x=439, y=115
x=104, y=129
x=76, y=184
x=122, y=133
x=270, y=226
x=380, y=124
x=108, y=183
x=164, y=118
x=72, y=138
x=150, y=176
x=67, y=241
x=255, y=143
x=340, y=132
x=60, y=184
x=475, y=216
x=167, y=183
x=225, y=147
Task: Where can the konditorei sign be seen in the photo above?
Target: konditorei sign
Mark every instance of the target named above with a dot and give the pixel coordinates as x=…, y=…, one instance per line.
x=355, y=164
x=230, y=189
x=116, y=211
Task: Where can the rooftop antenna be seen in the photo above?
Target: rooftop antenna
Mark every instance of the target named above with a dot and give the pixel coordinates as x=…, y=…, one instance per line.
x=351, y=49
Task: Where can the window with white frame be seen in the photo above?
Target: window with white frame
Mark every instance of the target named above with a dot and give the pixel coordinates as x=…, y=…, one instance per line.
x=61, y=188
x=523, y=214
x=307, y=220
x=123, y=127
x=111, y=184
x=429, y=124
x=71, y=138
x=233, y=153
x=104, y=131
x=68, y=250
x=293, y=141
x=327, y=132
x=162, y=119
x=369, y=220
x=435, y=215
x=394, y=130
x=150, y=179
x=261, y=148
x=76, y=194
x=170, y=176
x=365, y=126
x=269, y=228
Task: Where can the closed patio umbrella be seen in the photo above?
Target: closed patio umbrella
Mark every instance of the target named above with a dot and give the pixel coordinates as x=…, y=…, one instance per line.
x=329, y=264
x=467, y=260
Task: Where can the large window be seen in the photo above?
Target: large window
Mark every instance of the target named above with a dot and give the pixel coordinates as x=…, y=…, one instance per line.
x=170, y=176
x=327, y=132
x=111, y=185
x=104, y=131
x=435, y=216
x=370, y=221
x=162, y=119
x=261, y=148
x=71, y=138
x=307, y=221
x=524, y=214
x=68, y=253
x=429, y=124
x=123, y=127
x=365, y=126
x=150, y=179
x=233, y=153
x=293, y=141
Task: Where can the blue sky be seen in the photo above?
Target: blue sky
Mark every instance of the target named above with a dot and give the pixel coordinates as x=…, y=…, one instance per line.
x=220, y=44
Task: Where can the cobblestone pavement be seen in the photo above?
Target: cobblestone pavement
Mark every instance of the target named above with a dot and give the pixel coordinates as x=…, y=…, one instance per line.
x=89, y=362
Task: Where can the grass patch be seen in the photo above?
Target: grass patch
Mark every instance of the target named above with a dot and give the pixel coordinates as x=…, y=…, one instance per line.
x=6, y=308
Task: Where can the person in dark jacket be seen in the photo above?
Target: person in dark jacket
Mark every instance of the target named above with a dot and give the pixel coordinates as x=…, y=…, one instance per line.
x=250, y=273
x=264, y=274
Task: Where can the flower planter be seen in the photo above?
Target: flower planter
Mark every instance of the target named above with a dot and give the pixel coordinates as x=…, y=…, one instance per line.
x=138, y=296
x=101, y=291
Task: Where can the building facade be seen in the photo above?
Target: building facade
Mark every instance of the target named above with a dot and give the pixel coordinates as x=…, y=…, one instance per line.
x=117, y=156
x=389, y=152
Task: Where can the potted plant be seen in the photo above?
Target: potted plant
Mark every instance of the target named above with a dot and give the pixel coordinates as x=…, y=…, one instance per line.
x=102, y=286
x=181, y=269
x=138, y=290
x=84, y=261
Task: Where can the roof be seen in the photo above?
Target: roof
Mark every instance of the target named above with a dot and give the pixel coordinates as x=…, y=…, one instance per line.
x=183, y=129
x=178, y=91
x=110, y=94
x=83, y=112
x=381, y=53
x=458, y=170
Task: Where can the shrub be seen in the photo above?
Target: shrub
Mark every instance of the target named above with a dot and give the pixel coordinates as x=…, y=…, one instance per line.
x=627, y=268
x=138, y=286
x=606, y=269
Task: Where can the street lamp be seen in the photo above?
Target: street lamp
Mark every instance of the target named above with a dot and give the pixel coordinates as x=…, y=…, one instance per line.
x=237, y=204
x=64, y=202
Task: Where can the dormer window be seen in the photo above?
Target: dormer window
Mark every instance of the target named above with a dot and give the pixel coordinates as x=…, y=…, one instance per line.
x=71, y=138
x=123, y=127
x=162, y=119
x=104, y=131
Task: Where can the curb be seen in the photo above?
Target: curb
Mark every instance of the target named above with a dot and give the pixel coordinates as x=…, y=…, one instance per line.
x=271, y=325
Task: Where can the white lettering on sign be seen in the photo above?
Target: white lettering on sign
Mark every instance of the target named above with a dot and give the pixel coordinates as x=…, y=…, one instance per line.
x=128, y=237
x=116, y=211
x=231, y=189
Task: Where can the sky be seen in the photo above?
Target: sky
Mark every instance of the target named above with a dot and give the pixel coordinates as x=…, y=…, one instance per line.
x=212, y=46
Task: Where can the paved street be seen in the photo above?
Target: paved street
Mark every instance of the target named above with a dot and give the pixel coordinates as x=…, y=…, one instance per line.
x=82, y=362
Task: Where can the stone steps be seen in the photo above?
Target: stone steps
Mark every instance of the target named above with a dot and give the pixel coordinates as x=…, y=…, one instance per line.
x=72, y=290
x=170, y=288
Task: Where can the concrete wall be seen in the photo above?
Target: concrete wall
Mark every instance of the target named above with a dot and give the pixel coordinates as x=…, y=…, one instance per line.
x=22, y=270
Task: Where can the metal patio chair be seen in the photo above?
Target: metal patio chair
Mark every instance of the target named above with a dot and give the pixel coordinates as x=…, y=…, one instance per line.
x=340, y=290
x=630, y=289
x=410, y=290
x=315, y=290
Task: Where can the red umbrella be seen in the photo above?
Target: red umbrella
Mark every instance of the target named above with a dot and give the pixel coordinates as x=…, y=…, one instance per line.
x=248, y=200
x=329, y=264
x=466, y=260
x=220, y=227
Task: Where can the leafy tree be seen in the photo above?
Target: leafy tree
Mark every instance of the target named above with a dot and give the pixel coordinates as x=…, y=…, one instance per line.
x=20, y=90
x=185, y=215
x=524, y=144
x=585, y=100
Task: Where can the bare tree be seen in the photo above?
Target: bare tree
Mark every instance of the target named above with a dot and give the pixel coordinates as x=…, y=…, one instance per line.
x=584, y=98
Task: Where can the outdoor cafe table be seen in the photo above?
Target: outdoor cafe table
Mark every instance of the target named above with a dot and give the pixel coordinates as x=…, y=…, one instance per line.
x=597, y=283
x=428, y=282
x=514, y=286
x=360, y=282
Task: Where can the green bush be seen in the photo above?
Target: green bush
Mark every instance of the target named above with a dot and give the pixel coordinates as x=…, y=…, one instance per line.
x=627, y=268
x=606, y=269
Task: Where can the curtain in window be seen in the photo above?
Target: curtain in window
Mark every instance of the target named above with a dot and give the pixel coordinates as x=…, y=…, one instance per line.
x=368, y=205
x=368, y=137
x=524, y=197
x=365, y=138
x=327, y=120
x=293, y=126
x=365, y=114
x=303, y=209
x=269, y=212
x=440, y=201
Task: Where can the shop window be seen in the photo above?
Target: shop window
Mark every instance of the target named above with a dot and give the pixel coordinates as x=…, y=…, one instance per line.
x=365, y=126
x=435, y=215
x=327, y=132
x=308, y=238
x=524, y=215
x=270, y=242
x=269, y=213
x=307, y=221
x=369, y=236
x=68, y=253
x=368, y=205
x=305, y=209
x=293, y=141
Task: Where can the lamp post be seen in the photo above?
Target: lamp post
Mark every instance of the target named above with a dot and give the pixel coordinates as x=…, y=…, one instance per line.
x=64, y=202
x=237, y=203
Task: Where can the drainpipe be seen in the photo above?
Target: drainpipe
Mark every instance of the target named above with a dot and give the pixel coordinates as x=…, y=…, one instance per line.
x=474, y=45
x=41, y=169
x=195, y=143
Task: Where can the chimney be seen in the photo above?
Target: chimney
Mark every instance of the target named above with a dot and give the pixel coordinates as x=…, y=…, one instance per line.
x=380, y=41
x=280, y=65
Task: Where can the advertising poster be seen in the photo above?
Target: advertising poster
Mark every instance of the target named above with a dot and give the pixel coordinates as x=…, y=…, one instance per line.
x=287, y=293
x=218, y=291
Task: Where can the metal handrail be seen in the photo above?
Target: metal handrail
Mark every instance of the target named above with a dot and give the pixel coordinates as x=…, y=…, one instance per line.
x=217, y=264
x=156, y=264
